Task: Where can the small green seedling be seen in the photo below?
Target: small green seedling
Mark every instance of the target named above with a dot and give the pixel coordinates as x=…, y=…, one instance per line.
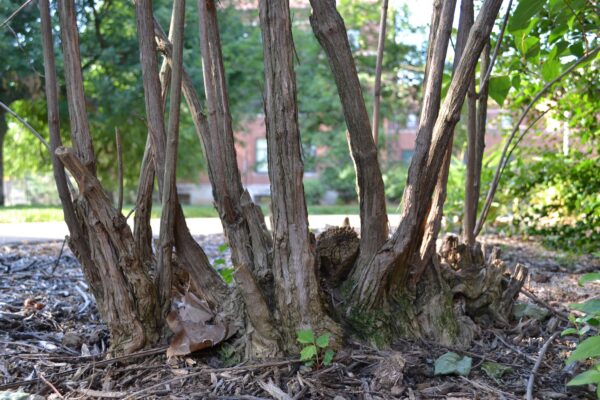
x=316, y=352
x=221, y=265
x=590, y=347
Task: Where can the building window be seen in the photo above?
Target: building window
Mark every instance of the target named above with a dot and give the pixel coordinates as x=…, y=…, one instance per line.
x=411, y=121
x=261, y=164
x=407, y=155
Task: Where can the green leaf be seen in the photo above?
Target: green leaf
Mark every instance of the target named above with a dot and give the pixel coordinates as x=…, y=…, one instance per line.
x=223, y=247
x=306, y=336
x=328, y=357
x=495, y=370
x=577, y=50
x=323, y=340
x=589, y=277
x=590, y=347
x=523, y=13
x=453, y=364
x=568, y=331
x=499, y=88
x=551, y=69
x=590, y=306
x=308, y=353
x=587, y=377
x=219, y=261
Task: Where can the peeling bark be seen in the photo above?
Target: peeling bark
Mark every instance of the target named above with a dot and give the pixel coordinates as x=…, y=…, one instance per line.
x=330, y=31
x=129, y=297
x=164, y=270
x=389, y=268
x=294, y=258
x=251, y=260
x=80, y=127
x=206, y=280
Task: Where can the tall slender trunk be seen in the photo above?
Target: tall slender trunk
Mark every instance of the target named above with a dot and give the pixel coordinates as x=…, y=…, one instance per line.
x=142, y=229
x=481, y=128
x=390, y=266
x=434, y=219
x=242, y=221
x=378, y=67
x=3, y=130
x=206, y=280
x=80, y=127
x=164, y=269
x=122, y=286
x=330, y=31
x=294, y=256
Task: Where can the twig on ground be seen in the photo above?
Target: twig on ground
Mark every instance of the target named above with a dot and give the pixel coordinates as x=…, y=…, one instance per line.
x=50, y=385
x=208, y=370
x=559, y=314
x=515, y=349
x=59, y=255
x=99, y=393
x=489, y=389
x=537, y=366
x=86, y=299
x=144, y=353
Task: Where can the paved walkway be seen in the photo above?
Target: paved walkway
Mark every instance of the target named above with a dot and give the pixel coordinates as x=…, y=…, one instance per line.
x=47, y=231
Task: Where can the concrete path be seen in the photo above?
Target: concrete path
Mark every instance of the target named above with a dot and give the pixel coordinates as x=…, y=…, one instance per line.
x=47, y=231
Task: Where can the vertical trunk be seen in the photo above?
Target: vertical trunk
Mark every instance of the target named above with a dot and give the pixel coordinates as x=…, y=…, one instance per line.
x=164, y=271
x=142, y=229
x=250, y=257
x=389, y=268
x=80, y=128
x=294, y=258
x=77, y=240
x=470, y=209
x=481, y=128
x=206, y=280
x=3, y=130
x=330, y=31
x=379, y=62
x=434, y=219
x=127, y=298
x=142, y=232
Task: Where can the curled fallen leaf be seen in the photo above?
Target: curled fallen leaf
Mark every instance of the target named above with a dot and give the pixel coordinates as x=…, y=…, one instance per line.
x=30, y=305
x=194, y=325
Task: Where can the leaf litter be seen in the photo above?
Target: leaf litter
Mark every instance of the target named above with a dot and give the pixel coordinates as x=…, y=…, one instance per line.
x=52, y=342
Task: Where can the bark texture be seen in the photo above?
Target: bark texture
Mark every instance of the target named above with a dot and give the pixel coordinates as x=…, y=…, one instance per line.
x=129, y=297
x=249, y=246
x=390, y=266
x=206, y=281
x=330, y=31
x=164, y=272
x=294, y=258
x=80, y=127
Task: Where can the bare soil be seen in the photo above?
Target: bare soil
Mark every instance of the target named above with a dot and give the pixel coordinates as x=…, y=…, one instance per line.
x=53, y=344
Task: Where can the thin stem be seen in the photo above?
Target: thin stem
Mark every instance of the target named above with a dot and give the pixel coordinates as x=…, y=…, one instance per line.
x=35, y=133
x=500, y=168
x=119, y=169
x=486, y=80
x=378, y=67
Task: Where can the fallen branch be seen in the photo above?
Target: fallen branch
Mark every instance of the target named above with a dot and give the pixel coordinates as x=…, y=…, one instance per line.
x=562, y=315
x=537, y=365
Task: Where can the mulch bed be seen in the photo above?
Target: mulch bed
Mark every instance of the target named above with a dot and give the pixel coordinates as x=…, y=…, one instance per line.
x=52, y=344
